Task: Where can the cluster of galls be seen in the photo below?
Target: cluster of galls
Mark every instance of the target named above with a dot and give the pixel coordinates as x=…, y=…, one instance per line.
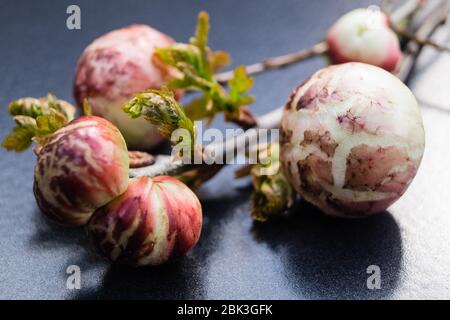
x=352, y=142
x=81, y=177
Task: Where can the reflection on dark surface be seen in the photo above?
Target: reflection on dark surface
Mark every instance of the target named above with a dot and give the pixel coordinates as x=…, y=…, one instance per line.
x=175, y=280
x=327, y=258
x=320, y=257
x=181, y=278
x=119, y=281
x=49, y=235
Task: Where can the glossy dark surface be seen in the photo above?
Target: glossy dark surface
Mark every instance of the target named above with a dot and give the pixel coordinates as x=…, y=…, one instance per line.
x=305, y=255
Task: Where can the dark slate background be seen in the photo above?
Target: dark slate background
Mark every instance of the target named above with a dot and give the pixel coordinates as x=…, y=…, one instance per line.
x=303, y=256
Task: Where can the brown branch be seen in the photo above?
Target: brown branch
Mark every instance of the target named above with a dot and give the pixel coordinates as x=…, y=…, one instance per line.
x=163, y=166
x=278, y=62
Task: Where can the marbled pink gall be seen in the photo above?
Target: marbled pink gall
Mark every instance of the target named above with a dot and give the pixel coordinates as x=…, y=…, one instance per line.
x=352, y=139
x=364, y=35
x=154, y=220
x=116, y=66
x=82, y=167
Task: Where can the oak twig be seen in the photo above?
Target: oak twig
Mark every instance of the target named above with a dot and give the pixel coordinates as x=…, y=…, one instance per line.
x=277, y=62
x=165, y=166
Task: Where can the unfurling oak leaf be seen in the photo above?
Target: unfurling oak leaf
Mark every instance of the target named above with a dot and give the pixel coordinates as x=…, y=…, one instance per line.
x=36, y=120
x=272, y=193
x=272, y=196
x=162, y=109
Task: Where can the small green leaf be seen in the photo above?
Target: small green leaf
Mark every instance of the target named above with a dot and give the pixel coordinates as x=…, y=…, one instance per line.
x=220, y=59
x=200, y=39
x=21, y=138
x=199, y=108
x=240, y=84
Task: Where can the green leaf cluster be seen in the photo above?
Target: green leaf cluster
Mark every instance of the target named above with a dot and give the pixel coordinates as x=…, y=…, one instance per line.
x=36, y=121
x=196, y=64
